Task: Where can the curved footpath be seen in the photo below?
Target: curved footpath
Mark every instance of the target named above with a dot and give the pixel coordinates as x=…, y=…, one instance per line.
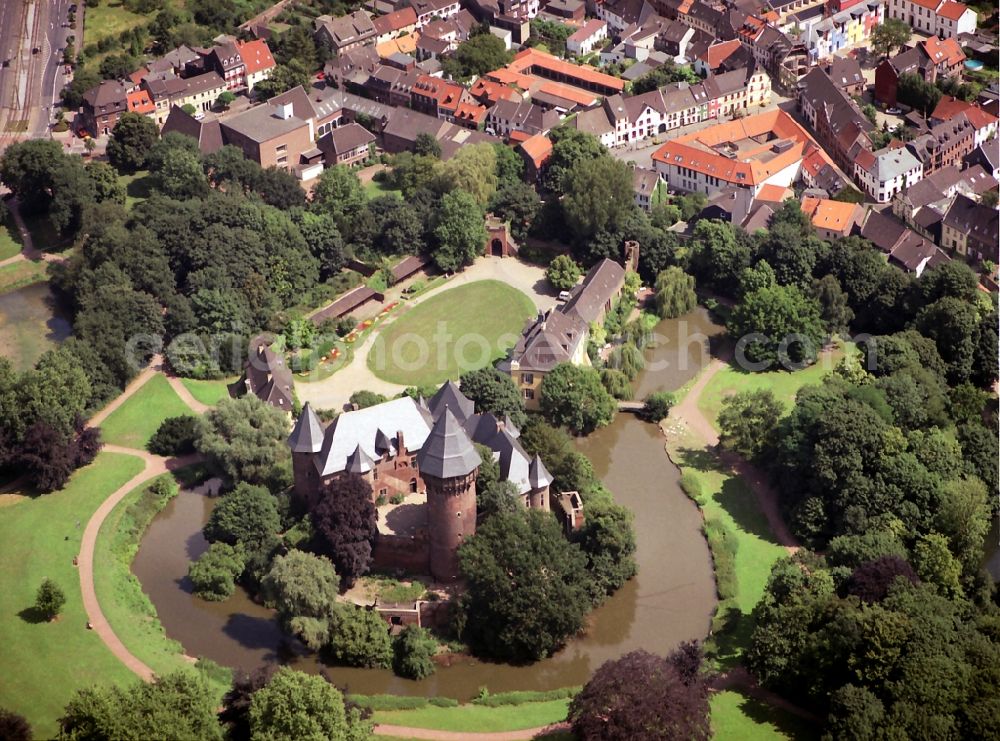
x=688, y=414
x=28, y=251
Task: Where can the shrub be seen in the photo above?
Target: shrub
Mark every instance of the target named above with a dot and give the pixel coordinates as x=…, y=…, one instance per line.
x=657, y=406
x=14, y=727
x=722, y=542
x=396, y=499
x=345, y=325
x=691, y=485
x=522, y=697
x=413, y=650
x=390, y=702
x=366, y=399
x=50, y=599
x=214, y=573
x=616, y=383
x=175, y=436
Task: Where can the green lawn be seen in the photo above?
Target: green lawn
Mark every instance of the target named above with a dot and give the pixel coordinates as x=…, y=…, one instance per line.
x=782, y=384
x=739, y=717
x=135, y=421
x=461, y=329
x=109, y=18
x=208, y=392
x=374, y=189
x=43, y=663
x=20, y=274
x=127, y=608
x=10, y=241
x=478, y=717
x=137, y=187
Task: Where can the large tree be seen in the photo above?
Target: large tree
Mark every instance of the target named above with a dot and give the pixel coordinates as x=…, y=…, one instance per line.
x=674, y=293
x=573, y=396
x=244, y=439
x=643, y=697
x=338, y=192
x=480, y=54
x=304, y=707
x=303, y=588
x=472, y=169
x=248, y=515
x=517, y=203
x=494, y=391
x=892, y=33
x=608, y=540
x=459, y=231
x=598, y=197
x=131, y=141
x=178, y=705
x=528, y=587
x=563, y=272
x=778, y=324
x=747, y=421
x=413, y=652
x=570, y=147
x=359, y=637
x=346, y=525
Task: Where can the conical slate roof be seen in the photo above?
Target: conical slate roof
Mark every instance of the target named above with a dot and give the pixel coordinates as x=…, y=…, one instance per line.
x=538, y=475
x=359, y=462
x=510, y=426
x=448, y=452
x=307, y=435
x=382, y=443
x=450, y=396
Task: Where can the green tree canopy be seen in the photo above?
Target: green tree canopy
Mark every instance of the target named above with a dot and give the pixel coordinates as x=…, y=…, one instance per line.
x=413, y=652
x=304, y=707
x=214, y=573
x=528, y=587
x=479, y=54
x=459, y=231
x=780, y=325
x=747, y=420
x=563, y=272
x=248, y=515
x=598, y=197
x=131, y=140
x=494, y=391
x=674, y=293
x=244, y=439
x=359, y=637
x=573, y=396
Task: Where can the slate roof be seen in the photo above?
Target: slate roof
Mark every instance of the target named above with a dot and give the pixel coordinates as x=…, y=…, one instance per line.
x=538, y=475
x=268, y=378
x=345, y=139
x=206, y=132
x=450, y=396
x=447, y=451
x=546, y=341
x=601, y=284
x=307, y=435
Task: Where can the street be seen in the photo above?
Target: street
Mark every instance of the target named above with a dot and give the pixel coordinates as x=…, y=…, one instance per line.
x=30, y=82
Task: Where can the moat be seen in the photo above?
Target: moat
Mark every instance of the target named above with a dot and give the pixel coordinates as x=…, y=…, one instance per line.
x=671, y=599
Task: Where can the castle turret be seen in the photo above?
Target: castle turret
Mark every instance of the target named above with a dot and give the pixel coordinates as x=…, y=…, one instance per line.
x=539, y=479
x=449, y=464
x=306, y=441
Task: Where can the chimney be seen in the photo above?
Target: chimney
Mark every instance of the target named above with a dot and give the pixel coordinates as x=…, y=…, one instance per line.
x=284, y=111
x=400, y=445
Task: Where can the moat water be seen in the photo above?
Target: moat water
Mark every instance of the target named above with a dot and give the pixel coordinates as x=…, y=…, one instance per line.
x=671, y=600
x=31, y=322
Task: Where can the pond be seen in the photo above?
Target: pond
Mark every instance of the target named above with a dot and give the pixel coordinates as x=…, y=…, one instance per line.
x=671, y=599
x=31, y=322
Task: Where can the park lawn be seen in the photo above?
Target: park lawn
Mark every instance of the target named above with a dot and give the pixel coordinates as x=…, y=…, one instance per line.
x=783, y=384
x=43, y=663
x=208, y=392
x=10, y=241
x=20, y=274
x=135, y=421
x=127, y=608
x=470, y=718
x=109, y=19
x=462, y=329
x=374, y=189
x=137, y=187
x=739, y=717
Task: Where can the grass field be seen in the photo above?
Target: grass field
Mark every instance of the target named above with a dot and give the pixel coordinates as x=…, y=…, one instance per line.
x=738, y=717
x=109, y=19
x=374, y=189
x=10, y=241
x=782, y=384
x=461, y=329
x=135, y=421
x=137, y=187
x=208, y=392
x=43, y=663
x=20, y=274
x=478, y=717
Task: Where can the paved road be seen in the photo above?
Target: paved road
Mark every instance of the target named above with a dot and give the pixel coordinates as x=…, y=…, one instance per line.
x=30, y=83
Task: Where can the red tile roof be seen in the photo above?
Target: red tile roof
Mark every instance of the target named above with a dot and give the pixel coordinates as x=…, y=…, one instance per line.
x=538, y=148
x=140, y=102
x=256, y=56
x=929, y=4
x=828, y=214
x=949, y=107
x=952, y=10
x=470, y=111
x=944, y=51
x=718, y=53
x=529, y=58
x=395, y=21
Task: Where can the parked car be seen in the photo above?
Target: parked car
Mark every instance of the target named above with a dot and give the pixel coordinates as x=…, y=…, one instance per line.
x=564, y=295
x=893, y=111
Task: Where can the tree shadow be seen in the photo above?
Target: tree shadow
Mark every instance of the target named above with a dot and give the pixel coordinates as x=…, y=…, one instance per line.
x=32, y=615
x=259, y=633
x=739, y=501
x=731, y=636
x=788, y=724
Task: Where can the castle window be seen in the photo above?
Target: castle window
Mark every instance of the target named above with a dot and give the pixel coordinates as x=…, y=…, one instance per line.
x=529, y=394
x=383, y=492
x=527, y=378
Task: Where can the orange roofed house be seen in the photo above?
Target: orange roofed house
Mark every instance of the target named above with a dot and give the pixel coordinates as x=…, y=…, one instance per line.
x=832, y=219
x=766, y=149
x=437, y=97
x=531, y=63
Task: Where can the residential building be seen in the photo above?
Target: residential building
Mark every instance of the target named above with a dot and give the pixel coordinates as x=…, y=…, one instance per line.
x=839, y=125
x=722, y=56
x=506, y=117
x=825, y=35
x=970, y=229
x=399, y=22
x=846, y=74
x=943, y=18
x=832, y=219
x=270, y=135
x=103, y=106
x=436, y=97
x=564, y=10
x=785, y=59
x=944, y=144
x=560, y=335
x=986, y=155
x=257, y=60
x=888, y=171
x=266, y=376
x=589, y=37
x=346, y=32
x=904, y=248
x=751, y=152
x=534, y=63
x=931, y=60
x=620, y=14
x=224, y=58
x=536, y=151
x=346, y=145
x=646, y=184
x=429, y=10
x=948, y=108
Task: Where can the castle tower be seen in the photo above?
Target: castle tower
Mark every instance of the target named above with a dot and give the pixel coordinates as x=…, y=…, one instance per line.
x=632, y=256
x=539, y=479
x=449, y=464
x=306, y=441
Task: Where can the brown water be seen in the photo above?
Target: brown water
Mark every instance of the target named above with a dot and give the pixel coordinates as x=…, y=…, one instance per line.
x=671, y=599
x=31, y=322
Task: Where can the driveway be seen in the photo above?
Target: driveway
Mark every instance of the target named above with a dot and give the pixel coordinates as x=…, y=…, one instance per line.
x=335, y=391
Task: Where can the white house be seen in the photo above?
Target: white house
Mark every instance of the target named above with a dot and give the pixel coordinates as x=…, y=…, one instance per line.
x=587, y=38
x=942, y=18
x=886, y=172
